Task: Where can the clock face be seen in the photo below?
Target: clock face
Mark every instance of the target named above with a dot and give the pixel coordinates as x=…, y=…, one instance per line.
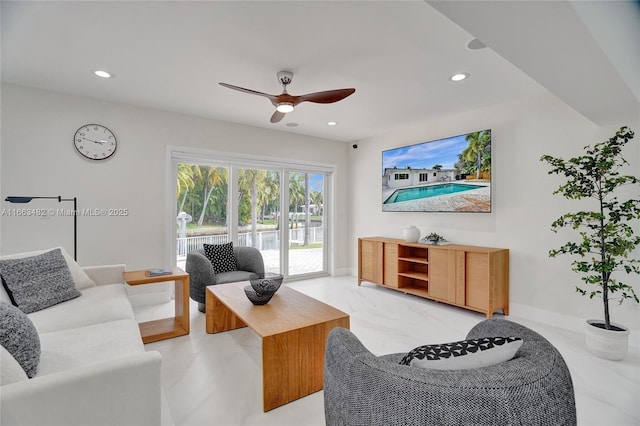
x=95, y=142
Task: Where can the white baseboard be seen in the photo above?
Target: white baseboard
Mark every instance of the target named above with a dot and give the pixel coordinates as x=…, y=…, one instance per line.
x=343, y=271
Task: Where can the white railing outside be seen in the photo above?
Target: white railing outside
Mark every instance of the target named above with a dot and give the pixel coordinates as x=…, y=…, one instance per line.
x=266, y=240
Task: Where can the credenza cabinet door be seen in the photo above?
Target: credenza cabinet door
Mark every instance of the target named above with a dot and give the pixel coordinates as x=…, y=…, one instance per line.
x=476, y=283
x=442, y=284
x=370, y=261
x=391, y=264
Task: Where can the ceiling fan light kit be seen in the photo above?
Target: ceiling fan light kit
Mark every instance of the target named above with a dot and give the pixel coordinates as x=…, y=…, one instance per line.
x=284, y=107
x=285, y=102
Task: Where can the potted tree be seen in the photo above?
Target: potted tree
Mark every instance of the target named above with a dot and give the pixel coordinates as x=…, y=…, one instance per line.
x=605, y=235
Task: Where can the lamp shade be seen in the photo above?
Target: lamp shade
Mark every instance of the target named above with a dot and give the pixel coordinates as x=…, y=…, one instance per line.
x=21, y=200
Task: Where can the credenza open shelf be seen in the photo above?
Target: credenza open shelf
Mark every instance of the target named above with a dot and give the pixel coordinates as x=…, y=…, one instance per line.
x=475, y=278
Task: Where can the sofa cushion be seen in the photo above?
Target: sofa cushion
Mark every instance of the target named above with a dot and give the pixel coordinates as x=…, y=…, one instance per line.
x=221, y=257
x=39, y=281
x=20, y=338
x=79, y=276
x=93, y=344
x=10, y=370
x=465, y=354
x=96, y=305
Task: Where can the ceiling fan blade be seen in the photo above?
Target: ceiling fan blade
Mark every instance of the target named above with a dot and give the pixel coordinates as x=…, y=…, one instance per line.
x=273, y=98
x=326, y=97
x=277, y=116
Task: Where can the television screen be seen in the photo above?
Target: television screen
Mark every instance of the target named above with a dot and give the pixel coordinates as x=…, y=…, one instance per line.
x=444, y=175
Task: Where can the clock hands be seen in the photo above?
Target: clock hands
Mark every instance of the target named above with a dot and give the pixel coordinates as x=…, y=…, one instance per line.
x=101, y=141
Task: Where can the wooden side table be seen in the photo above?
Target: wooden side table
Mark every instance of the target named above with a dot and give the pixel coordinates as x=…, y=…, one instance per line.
x=165, y=328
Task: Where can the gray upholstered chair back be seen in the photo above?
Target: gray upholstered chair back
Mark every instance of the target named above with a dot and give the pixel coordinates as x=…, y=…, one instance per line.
x=534, y=388
x=248, y=259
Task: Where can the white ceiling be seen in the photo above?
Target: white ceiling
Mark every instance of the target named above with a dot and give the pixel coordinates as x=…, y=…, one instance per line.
x=397, y=54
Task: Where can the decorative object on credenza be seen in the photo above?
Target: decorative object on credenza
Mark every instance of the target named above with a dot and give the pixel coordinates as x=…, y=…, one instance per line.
x=606, y=238
x=95, y=142
x=24, y=200
x=411, y=234
x=434, y=239
x=263, y=287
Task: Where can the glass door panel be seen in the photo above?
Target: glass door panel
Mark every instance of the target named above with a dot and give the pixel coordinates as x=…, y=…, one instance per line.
x=258, y=214
x=201, y=216
x=306, y=251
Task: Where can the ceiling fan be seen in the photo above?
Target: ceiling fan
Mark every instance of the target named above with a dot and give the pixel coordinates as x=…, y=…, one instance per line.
x=285, y=102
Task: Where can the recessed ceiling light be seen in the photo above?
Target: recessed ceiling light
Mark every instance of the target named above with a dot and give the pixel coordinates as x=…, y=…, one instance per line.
x=332, y=123
x=291, y=124
x=103, y=74
x=459, y=77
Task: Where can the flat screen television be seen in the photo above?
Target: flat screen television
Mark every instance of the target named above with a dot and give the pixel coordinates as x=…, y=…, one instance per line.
x=445, y=175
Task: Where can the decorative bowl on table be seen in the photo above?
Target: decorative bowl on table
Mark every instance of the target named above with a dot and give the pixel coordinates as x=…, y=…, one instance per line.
x=267, y=283
x=255, y=298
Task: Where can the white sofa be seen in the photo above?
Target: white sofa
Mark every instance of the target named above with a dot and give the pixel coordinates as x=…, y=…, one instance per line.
x=93, y=368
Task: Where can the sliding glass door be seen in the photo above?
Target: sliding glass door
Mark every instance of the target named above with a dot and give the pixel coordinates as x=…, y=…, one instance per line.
x=217, y=203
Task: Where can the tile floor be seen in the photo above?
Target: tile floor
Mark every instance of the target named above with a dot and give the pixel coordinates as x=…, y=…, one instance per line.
x=216, y=379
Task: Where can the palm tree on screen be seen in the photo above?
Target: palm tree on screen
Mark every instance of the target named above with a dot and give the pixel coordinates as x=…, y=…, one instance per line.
x=479, y=145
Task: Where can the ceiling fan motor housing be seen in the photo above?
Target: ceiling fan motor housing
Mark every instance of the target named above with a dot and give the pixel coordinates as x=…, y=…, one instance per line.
x=285, y=77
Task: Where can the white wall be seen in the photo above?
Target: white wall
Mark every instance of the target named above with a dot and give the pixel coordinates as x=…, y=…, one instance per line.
x=38, y=158
x=523, y=204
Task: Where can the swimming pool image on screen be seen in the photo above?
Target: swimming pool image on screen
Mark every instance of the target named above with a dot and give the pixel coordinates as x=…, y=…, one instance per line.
x=428, y=191
x=444, y=175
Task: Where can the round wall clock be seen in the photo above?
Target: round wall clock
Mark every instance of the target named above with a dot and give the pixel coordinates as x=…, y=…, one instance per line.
x=95, y=142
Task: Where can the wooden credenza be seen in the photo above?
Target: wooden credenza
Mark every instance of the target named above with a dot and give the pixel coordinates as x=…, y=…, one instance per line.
x=475, y=278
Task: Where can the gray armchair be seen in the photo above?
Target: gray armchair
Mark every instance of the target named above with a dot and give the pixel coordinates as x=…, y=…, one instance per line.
x=533, y=388
x=248, y=259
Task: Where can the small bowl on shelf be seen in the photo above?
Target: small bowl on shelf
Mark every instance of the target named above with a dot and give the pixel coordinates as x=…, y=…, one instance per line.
x=255, y=298
x=267, y=283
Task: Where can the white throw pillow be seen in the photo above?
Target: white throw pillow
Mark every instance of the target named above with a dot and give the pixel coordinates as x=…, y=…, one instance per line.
x=465, y=354
x=80, y=278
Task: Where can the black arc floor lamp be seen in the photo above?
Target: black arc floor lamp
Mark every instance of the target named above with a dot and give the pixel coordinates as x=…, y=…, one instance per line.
x=24, y=200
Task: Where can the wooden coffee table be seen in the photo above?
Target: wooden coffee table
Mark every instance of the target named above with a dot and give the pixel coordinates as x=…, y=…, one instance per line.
x=294, y=329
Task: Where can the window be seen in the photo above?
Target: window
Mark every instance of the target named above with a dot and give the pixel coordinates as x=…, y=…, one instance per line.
x=424, y=177
x=401, y=176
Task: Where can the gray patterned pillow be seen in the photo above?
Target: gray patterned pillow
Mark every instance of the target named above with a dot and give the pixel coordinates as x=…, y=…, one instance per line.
x=221, y=257
x=37, y=282
x=20, y=338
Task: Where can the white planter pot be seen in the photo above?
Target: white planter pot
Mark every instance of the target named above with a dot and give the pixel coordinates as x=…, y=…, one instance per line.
x=411, y=234
x=607, y=344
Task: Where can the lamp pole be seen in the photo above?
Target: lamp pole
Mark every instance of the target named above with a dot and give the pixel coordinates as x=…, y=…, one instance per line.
x=27, y=199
